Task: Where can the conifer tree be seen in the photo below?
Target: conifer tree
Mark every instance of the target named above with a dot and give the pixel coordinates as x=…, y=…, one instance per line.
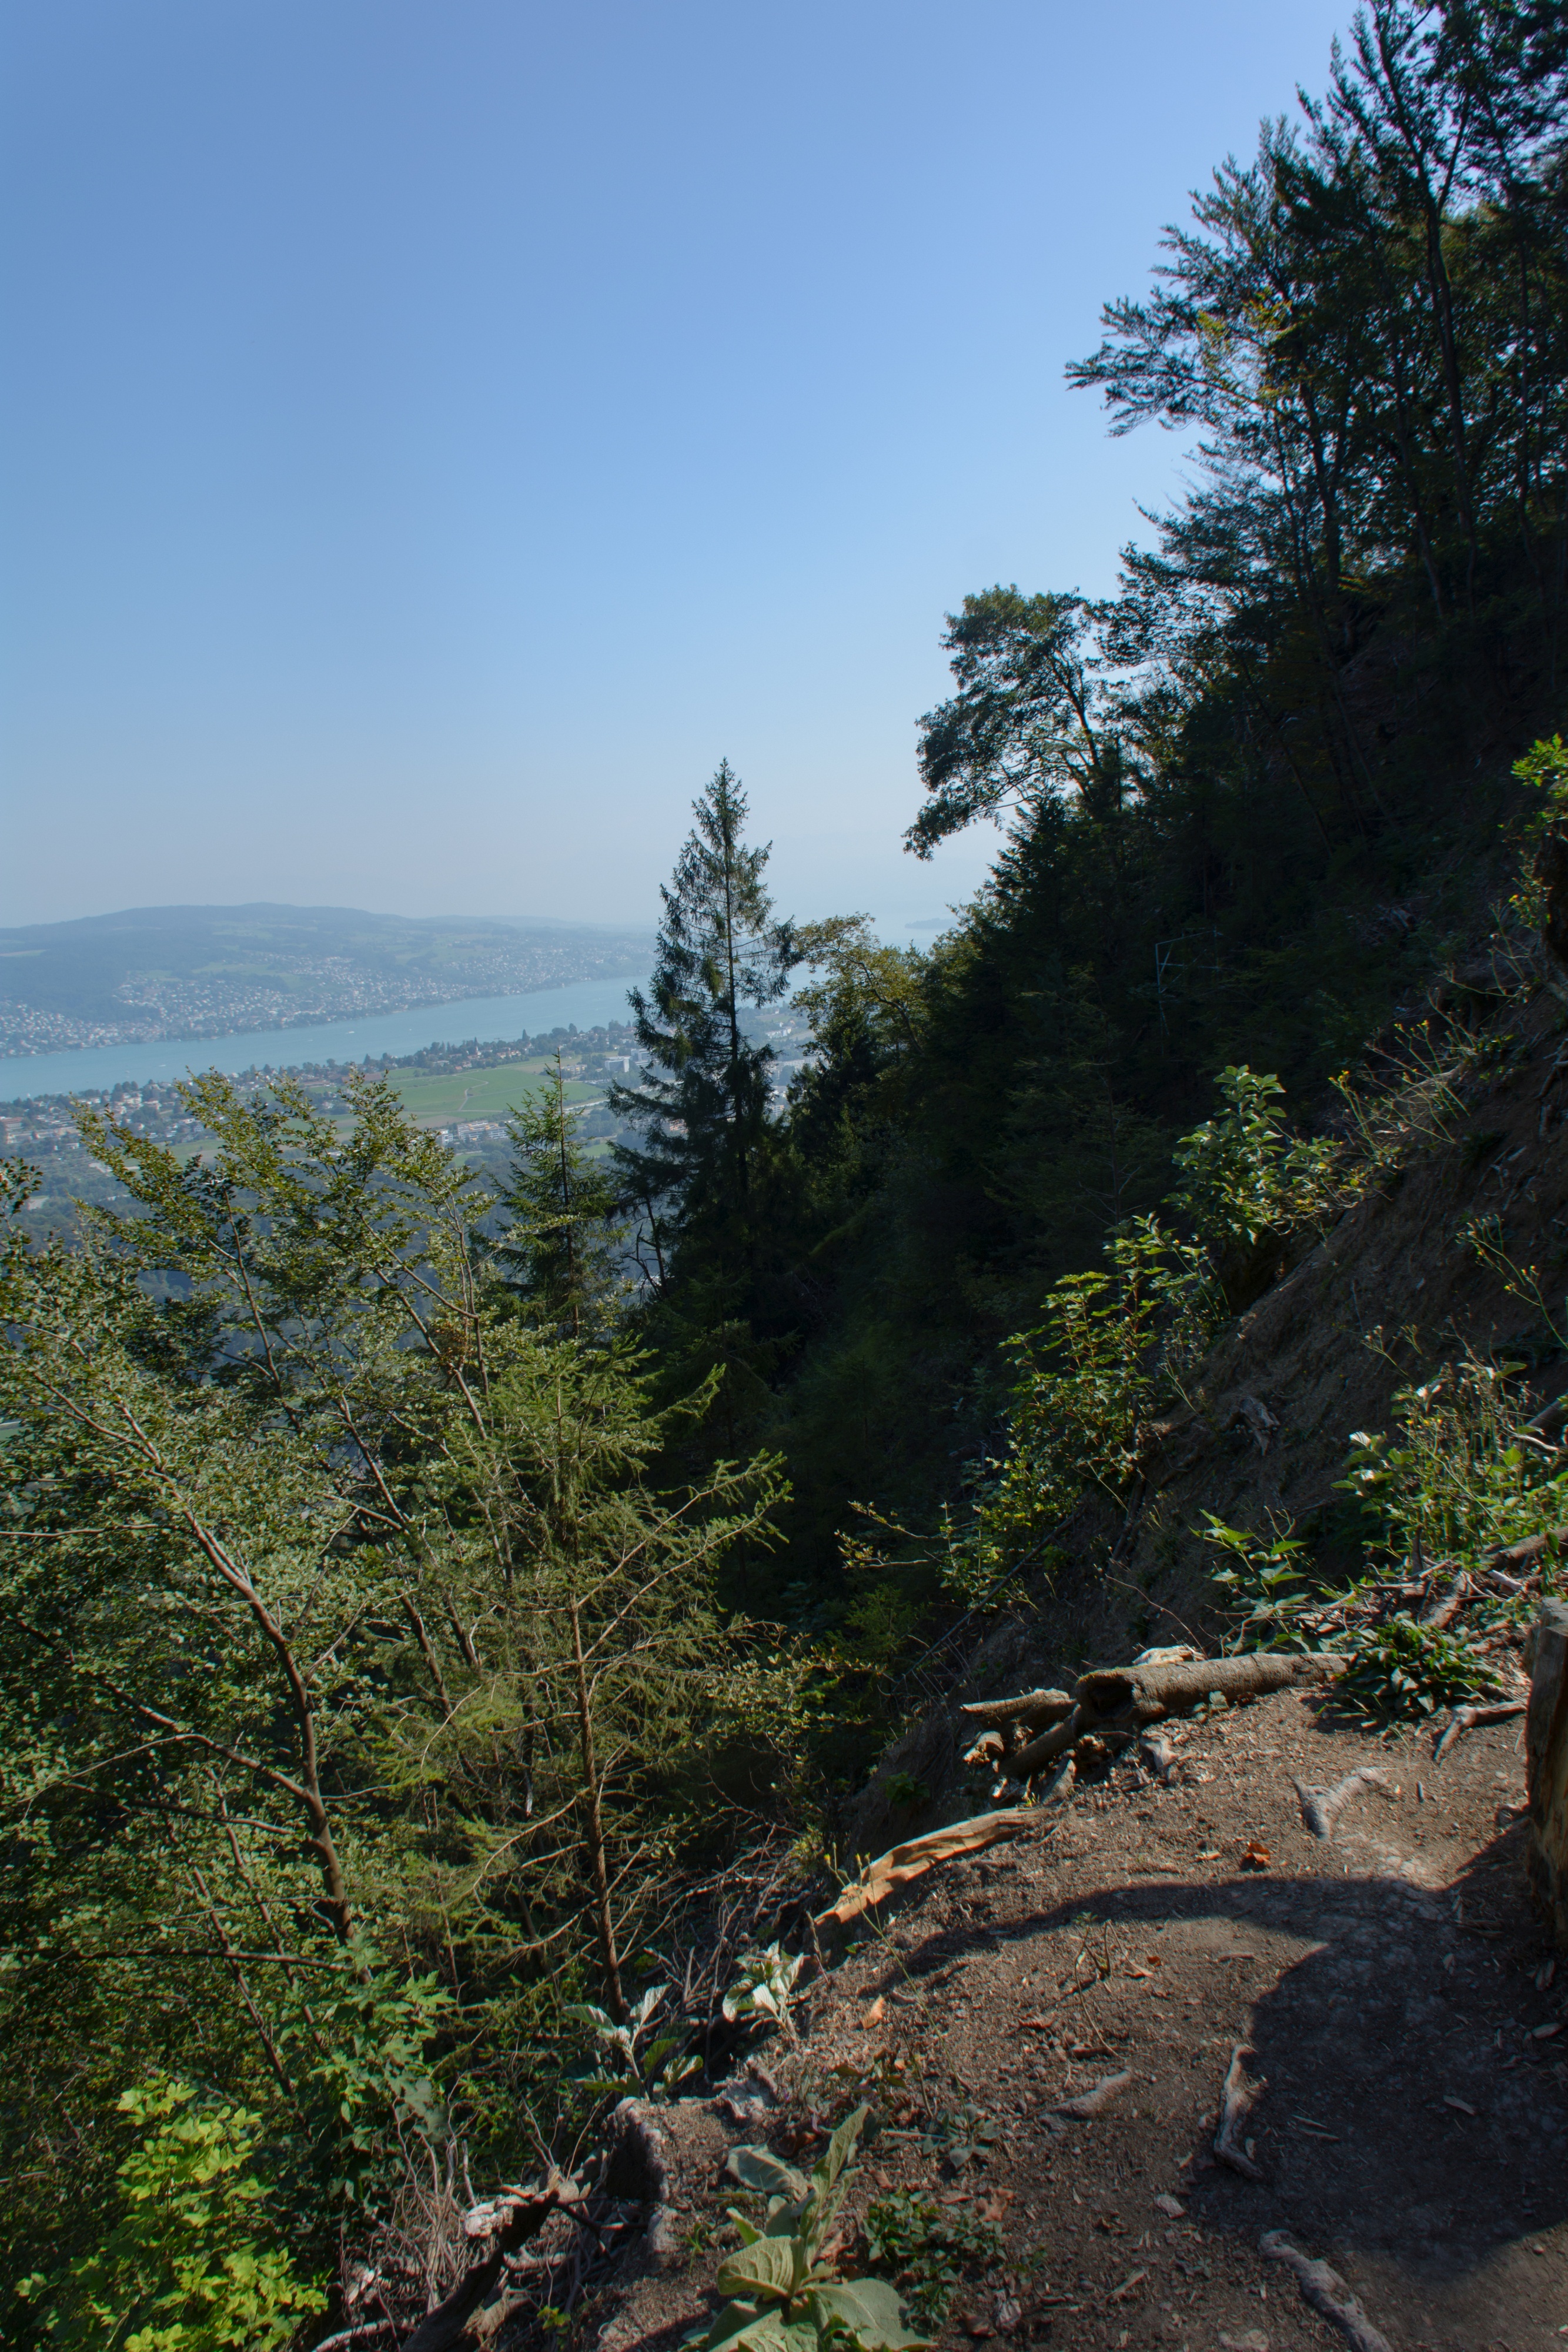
x=562, y=1240
x=703, y=1101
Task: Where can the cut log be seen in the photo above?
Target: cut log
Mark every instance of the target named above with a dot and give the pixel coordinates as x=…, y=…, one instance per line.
x=1237, y=2095
x=1132, y=1696
x=1530, y=1548
x=912, y=1860
x=1546, y=1746
x=1031, y=1711
x=1321, y=1808
x=1327, y=2292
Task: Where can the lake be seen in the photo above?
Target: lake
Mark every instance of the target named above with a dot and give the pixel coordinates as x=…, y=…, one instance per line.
x=589, y=1002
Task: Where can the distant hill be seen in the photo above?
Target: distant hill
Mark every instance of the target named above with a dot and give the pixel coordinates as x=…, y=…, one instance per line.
x=200, y=971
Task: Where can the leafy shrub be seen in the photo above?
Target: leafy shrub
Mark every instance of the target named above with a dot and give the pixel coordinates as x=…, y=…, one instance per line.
x=782, y=2294
x=649, y=2069
x=1112, y=1353
x=1251, y=1183
x=191, y=2266
x=764, y=1987
x=1402, y=1668
x=1455, y=1480
x=928, y=2248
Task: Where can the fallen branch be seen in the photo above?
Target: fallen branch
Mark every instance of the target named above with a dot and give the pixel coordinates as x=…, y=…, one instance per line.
x=1444, y=1607
x=1327, y=2292
x=1093, y=2102
x=912, y=1860
x=1237, y=2095
x=1515, y=1555
x=1321, y=1808
x=1050, y=1744
x=1465, y=1719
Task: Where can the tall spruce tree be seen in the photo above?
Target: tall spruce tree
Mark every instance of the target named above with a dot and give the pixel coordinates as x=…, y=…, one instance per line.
x=703, y=1101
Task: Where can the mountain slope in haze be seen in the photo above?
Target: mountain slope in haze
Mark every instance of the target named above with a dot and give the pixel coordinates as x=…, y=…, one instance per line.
x=159, y=971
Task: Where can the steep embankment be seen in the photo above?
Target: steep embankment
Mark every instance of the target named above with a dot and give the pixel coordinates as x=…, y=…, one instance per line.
x=1390, y=1295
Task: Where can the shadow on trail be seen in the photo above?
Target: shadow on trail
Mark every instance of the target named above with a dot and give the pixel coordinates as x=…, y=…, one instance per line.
x=1411, y=2113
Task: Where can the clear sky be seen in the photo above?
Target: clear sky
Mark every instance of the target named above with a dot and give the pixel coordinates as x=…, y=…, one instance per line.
x=433, y=432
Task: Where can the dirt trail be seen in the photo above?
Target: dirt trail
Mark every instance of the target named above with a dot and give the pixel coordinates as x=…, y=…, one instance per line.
x=1413, y=2126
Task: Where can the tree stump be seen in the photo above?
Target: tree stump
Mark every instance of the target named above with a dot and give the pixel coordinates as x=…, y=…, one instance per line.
x=1546, y=1742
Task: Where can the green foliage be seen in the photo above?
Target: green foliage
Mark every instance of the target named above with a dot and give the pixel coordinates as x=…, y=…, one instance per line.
x=781, y=2291
x=340, y=1618
x=1544, y=769
x=1267, y=1583
x=1456, y=1480
x=1251, y=1183
x=928, y=2249
x=647, y=2069
x=1112, y=1353
x=1401, y=1668
x=562, y=1239
x=195, y=2261
x=764, y=1987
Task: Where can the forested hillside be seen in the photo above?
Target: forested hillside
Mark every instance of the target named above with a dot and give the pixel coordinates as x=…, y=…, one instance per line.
x=411, y=1608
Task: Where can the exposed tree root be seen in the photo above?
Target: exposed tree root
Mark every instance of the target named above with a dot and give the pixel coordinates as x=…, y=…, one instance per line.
x=1465, y=1719
x=1327, y=2292
x=1093, y=2102
x=1237, y=2095
x=1321, y=1808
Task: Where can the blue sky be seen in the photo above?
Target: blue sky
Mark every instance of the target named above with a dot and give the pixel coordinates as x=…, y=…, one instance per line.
x=433, y=432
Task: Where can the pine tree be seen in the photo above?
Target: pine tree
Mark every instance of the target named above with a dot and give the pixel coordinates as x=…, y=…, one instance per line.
x=562, y=1240
x=702, y=1102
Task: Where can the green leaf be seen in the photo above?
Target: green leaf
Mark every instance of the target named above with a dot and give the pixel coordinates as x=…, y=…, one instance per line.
x=739, y=2328
x=867, y=2309
x=772, y=2266
x=759, y=2168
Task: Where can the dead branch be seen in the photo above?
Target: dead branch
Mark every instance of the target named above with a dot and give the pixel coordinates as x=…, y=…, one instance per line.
x=989, y=1749
x=448, y=2328
x=1465, y=1719
x=1530, y=1548
x=1032, y=1709
x=1327, y=2292
x=1237, y=2095
x=1321, y=1808
x=912, y=1860
x=1444, y=1607
x=1092, y=2102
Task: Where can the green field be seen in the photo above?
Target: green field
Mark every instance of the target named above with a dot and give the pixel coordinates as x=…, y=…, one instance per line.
x=436, y=1100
